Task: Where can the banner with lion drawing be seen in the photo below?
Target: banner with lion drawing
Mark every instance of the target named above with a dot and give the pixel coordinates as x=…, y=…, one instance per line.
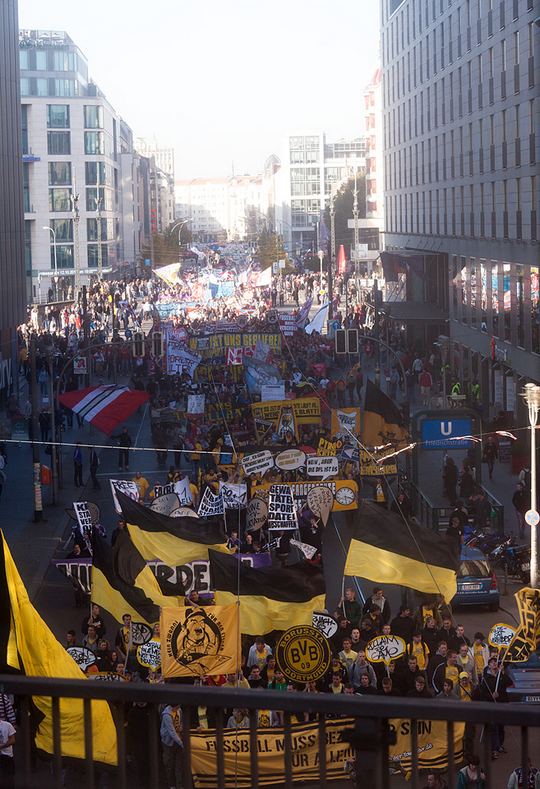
x=198, y=642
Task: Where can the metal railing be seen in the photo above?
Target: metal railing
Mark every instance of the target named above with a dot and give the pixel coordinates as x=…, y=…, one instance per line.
x=370, y=722
x=436, y=517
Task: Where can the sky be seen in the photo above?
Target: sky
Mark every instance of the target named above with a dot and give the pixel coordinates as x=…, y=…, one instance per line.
x=224, y=82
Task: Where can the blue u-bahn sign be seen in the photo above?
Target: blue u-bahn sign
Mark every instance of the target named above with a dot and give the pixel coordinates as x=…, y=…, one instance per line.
x=438, y=433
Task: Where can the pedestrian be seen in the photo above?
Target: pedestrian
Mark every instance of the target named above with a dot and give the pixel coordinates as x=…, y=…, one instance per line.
x=516, y=778
x=450, y=478
x=521, y=503
x=466, y=483
x=7, y=765
x=426, y=382
x=124, y=442
x=471, y=776
x=490, y=455
x=94, y=465
x=172, y=746
x=77, y=466
x=351, y=384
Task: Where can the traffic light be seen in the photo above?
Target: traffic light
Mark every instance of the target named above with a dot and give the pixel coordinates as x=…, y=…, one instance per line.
x=346, y=341
x=352, y=340
x=157, y=344
x=341, y=341
x=138, y=344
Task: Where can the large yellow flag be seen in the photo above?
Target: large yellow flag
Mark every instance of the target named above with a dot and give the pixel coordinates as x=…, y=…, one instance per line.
x=27, y=644
x=200, y=641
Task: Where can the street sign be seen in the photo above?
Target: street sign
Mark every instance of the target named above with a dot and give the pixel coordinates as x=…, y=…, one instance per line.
x=532, y=518
x=80, y=365
x=445, y=433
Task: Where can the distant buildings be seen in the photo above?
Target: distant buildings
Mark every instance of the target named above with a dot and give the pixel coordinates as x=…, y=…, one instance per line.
x=12, y=229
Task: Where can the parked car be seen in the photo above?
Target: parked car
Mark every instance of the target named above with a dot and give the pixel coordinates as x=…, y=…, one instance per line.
x=476, y=580
x=526, y=679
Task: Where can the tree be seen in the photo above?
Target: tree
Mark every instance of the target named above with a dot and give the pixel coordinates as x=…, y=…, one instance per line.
x=343, y=205
x=166, y=246
x=270, y=248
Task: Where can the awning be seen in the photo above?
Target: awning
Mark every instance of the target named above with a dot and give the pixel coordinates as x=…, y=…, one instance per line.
x=408, y=311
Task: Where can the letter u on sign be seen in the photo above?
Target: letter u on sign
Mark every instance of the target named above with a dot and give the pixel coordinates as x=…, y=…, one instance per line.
x=446, y=428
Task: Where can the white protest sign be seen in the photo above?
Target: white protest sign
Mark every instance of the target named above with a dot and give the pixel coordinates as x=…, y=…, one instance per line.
x=326, y=624
x=290, y=459
x=182, y=490
x=127, y=487
x=82, y=656
x=385, y=649
x=140, y=633
x=281, y=512
x=166, y=503
x=234, y=495
x=322, y=467
x=195, y=403
x=501, y=635
x=258, y=463
x=309, y=551
x=184, y=512
x=149, y=654
x=162, y=490
x=211, y=504
x=320, y=500
x=179, y=359
x=257, y=514
x=273, y=391
x=84, y=519
x=346, y=424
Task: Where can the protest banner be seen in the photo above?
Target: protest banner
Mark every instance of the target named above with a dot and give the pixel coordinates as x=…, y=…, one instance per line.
x=257, y=513
x=320, y=501
x=303, y=653
x=287, y=323
x=179, y=359
x=327, y=448
x=309, y=551
x=273, y=392
x=344, y=493
x=325, y=623
x=196, y=403
x=166, y=503
x=270, y=746
x=281, y=510
x=291, y=459
x=163, y=490
x=345, y=421
x=235, y=356
x=215, y=345
x=84, y=519
x=287, y=425
x=182, y=490
x=149, y=654
x=127, y=487
x=78, y=571
x=82, y=656
x=307, y=410
x=258, y=462
x=323, y=467
x=211, y=504
x=432, y=744
x=199, y=641
x=527, y=634
x=369, y=467
x=183, y=512
x=501, y=635
x=234, y=495
x=195, y=576
x=385, y=649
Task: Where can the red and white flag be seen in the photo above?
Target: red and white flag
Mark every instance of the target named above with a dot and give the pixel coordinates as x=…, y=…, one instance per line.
x=105, y=407
x=235, y=356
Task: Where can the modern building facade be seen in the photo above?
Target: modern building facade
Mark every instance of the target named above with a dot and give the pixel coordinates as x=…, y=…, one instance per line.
x=74, y=146
x=460, y=117
x=312, y=166
x=12, y=235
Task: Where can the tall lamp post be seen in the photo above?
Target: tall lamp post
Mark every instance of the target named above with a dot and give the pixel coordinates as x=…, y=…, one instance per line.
x=532, y=399
x=55, y=278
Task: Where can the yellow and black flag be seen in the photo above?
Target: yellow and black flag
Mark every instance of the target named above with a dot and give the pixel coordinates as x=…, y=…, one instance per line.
x=271, y=598
x=27, y=646
x=174, y=541
x=383, y=421
x=384, y=549
x=128, y=593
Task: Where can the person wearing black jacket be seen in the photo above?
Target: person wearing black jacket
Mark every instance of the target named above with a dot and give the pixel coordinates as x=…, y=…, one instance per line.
x=408, y=675
x=436, y=659
x=430, y=635
x=420, y=690
x=378, y=599
x=402, y=625
x=493, y=687
x=124, y=442
x=447, y=633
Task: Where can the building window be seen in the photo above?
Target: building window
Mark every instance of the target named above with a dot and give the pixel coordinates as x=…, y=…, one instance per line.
x=93, y=255
x=26, y=187
x=41, y=60
x=42, y=87
x=64, y=61
x=63, y=229
x=24, y=128
x=24, y=61
x=94, y=143
x=93, y=117
x=64, y=256
x=95, y=173
x=59, y=173
x=58, y=116
x=59, y=199
x=58, y=143
x=92, y=229
x=65, y=87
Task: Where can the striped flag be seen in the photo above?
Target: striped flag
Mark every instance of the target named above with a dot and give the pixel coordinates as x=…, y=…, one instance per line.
x=105, y=407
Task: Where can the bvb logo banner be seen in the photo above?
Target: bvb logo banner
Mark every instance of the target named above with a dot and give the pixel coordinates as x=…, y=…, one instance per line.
x=200, y=641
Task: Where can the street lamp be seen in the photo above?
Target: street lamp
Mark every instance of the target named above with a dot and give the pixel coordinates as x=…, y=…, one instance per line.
x=532, y=398
x=55, y=278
